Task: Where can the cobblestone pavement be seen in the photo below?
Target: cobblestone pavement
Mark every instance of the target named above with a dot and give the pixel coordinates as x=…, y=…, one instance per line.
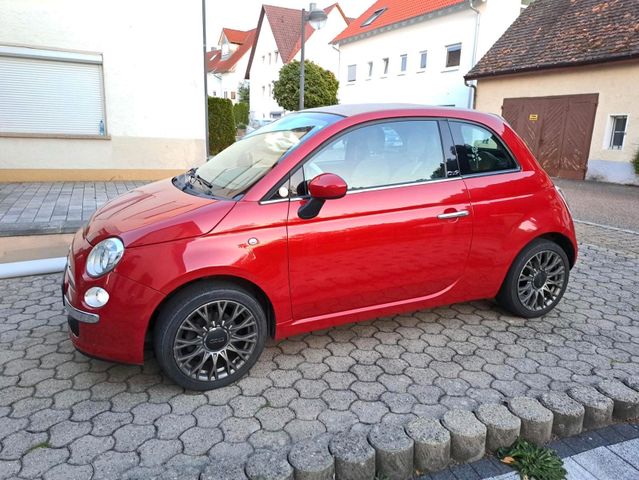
x=57, y=207
x=63, y=415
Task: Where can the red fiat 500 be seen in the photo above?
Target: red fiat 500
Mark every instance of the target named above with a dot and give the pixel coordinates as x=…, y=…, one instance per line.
x=326, y=216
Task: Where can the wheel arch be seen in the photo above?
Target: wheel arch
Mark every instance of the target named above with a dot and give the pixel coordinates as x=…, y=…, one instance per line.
x=240, y=282
x=563, y=241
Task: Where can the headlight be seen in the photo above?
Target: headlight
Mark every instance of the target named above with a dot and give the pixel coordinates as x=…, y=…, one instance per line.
x=104, y=257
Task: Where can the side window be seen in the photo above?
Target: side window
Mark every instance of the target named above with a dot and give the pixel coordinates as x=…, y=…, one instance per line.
x=384, y=154
x=479, y=150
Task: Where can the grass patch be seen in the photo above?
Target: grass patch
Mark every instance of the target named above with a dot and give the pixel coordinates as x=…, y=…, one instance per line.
x=533, y=462
x=40, y=445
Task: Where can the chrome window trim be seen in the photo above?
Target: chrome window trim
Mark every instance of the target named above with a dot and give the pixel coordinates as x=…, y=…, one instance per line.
x=489, y=174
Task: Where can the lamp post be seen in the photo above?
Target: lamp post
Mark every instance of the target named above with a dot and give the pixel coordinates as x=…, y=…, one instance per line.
x=317, y=18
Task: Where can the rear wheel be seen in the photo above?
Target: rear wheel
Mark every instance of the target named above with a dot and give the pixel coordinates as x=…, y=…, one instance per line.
x=536, y=280
x=209, y=335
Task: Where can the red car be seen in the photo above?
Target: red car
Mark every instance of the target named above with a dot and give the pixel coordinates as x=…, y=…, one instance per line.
x=326, y=216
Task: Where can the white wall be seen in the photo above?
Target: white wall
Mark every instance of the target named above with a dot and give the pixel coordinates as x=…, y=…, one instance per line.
x=436, y=84
x=154, y=86
x=317, y=49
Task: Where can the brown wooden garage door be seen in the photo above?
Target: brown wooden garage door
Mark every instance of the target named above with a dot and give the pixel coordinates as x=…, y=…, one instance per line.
x=557, y=129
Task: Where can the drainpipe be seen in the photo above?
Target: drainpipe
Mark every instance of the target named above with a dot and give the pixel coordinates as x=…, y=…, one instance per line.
x=472, y=87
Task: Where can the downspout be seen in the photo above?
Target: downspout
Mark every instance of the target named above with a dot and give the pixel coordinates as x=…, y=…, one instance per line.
x=339, y=64
x=472, y=86
x=206, y=89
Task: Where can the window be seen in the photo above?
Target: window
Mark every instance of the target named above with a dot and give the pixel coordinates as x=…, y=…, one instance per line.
x=374, y=16
x=479, y=150
x=385, y=63
x=389, y=153
x=370, y=69
x=47, y=92
x=270, y=90
x=352, y=73
x=618, y=131
x=269, y=58
x=275, y=56
x=404, y=62
x=232, y=95
x=226, y=94
x=263, y=91
x=423, y=57
x=453, y=56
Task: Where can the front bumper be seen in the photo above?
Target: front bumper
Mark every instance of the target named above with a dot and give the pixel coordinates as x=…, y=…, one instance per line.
x=117, y=330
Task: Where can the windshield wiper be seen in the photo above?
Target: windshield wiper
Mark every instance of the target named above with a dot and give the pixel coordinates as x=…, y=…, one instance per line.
x=192, y=174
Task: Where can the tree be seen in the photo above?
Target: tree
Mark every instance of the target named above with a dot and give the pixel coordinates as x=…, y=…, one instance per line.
x=320, y=86
x=241, y=112
x=221, y=124
x=243, y=91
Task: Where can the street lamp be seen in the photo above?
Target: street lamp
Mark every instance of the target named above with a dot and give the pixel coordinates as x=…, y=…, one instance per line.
x=317, y=19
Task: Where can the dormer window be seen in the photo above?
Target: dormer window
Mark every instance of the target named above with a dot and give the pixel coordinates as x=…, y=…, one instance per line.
x=376, y=14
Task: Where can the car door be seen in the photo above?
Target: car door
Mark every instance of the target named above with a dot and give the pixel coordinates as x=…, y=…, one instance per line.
x=403, y=230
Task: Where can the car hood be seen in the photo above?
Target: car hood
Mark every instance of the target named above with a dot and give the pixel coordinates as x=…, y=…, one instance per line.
x=156, y=213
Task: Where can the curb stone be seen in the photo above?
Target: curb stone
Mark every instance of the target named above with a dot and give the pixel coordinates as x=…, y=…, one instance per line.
x=568, y=415
x=426, y=445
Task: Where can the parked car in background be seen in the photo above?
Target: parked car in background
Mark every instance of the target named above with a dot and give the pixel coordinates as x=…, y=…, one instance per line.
x=257, y=123
x=326, y=216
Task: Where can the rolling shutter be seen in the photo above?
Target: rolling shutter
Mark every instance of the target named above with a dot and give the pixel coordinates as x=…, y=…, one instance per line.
x=49, y=92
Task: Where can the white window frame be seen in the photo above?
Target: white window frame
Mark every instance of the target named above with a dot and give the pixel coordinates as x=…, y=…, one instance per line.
x=610, y=132
x=370, y=69
x=422, y=54
x=403, y=63
x=449, y=48
x=351, y=78
x=385, y=66
x=71, y=56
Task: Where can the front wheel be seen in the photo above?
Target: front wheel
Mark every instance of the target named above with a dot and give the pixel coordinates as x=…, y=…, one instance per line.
x=209, y=335
x=536, y=280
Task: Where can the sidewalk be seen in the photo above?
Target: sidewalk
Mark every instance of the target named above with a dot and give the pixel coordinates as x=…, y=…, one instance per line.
x=610, y=453
x=53, y=207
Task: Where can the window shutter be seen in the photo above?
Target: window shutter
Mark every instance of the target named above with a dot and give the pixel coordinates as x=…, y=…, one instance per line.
x=50, y=96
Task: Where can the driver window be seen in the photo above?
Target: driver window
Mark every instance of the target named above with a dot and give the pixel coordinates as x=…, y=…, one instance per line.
x=390, y=153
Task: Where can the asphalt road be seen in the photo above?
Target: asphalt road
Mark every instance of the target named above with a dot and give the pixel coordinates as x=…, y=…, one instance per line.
x=603, y=203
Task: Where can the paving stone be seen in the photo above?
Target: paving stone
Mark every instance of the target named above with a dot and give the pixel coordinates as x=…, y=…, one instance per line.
x=568, y=415
x=108, y=422
x=86, y=448
x=69, y=472
x=394, y=451
x=156, y=452
x=172, y=425
x=626, y=399
x=468, y=435
x=40, y=460
x=432, y=444
x=311, y=460
x=129, y=437
x=502, y=427
x=198, y=440
x=111, y=464
x=267, y=465
x=17, y=444
x=224, y=471
x=536, y=420
x=354, y=457
x=239, y=429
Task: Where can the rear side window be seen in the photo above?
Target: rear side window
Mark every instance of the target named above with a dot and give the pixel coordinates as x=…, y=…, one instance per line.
x=479, y=150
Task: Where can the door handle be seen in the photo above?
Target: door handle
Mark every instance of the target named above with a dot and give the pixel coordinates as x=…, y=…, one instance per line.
x=448, y=216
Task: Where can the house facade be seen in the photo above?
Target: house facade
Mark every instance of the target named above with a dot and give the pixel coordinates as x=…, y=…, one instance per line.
x=277, y=42
x=227, y=64
x=108, y=96
x=564, y=76
x=418, y=52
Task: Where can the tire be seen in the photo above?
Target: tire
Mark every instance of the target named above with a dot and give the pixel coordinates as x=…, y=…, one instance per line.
x=209, y=335
x=536, y=281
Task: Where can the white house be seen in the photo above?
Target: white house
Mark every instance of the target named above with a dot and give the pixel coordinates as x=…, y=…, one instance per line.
x=277, y=42
x=93, y=90
x=418, y=52
x=227, y=64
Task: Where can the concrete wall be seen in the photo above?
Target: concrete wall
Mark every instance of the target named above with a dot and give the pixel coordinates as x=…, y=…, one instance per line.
x=436, y=84
x=615, y=84
x=154, y=87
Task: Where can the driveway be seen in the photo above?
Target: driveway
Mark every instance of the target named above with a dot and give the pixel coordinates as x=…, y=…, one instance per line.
x=63, y=415
x=603, y=203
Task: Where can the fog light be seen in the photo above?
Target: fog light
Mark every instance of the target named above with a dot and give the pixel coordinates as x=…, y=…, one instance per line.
x=96, y=297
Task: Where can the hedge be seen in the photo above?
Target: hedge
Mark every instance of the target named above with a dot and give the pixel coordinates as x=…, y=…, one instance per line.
x=221, y=124
x=241, y=113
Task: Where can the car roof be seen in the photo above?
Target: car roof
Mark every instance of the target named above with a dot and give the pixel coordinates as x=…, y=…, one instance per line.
x=348, y=110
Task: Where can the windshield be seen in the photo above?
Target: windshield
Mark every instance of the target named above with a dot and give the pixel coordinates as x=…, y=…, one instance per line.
x=234, y=170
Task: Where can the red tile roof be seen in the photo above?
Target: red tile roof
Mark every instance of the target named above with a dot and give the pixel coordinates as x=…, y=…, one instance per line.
x=235, y=36
x=396, y=11
x=221, y=65
x=212, y=58
x=564, y=33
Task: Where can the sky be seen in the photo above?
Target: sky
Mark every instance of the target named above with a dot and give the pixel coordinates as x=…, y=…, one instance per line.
x=243, y=14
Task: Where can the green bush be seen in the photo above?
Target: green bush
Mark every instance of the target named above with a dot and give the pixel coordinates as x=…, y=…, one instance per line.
x=635, y=161
x=221, y=124
x=241, y=113
x=320, y=86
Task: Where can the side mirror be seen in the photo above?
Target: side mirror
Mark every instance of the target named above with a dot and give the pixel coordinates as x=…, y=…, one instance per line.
x=326, y=186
